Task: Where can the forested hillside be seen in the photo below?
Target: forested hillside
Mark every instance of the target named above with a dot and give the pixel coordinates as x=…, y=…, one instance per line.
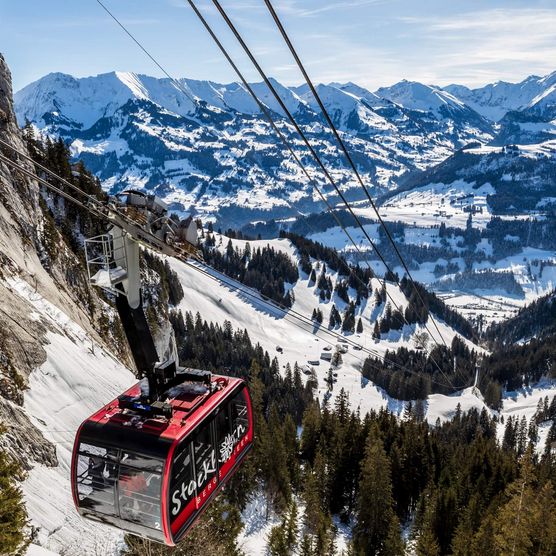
x=451, y=488
x=535, y=321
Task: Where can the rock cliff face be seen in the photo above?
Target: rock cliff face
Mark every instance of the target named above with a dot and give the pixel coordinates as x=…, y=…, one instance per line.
x=61, y=357
x=43, y=293
x=27, y=274
x=21, y=336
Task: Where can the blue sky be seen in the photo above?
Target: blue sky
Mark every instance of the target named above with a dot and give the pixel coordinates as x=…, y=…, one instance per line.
x=370, y=42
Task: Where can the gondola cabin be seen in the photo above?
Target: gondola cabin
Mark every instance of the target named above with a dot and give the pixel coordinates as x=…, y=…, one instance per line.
x=153, y=475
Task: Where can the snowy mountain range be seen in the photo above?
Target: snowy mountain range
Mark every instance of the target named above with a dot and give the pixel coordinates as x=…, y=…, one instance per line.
x=220, y=153
x=219, y=156
x=495, y=100
x=58, y=360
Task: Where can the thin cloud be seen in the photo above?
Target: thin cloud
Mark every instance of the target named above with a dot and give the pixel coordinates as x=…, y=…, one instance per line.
x=293, y=7
x=482, y=46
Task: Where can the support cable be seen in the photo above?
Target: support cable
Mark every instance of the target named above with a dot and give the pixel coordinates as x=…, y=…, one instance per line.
x=306, y=141
x=246, y=290
x=175, y=82
x=285, y=141
x=347, y=154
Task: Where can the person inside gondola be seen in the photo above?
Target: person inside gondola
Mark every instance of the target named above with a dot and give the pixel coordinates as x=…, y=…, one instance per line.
x=96, y=472
x=139, y=492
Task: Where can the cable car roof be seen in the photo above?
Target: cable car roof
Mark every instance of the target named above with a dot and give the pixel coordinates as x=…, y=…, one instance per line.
x=191, y=403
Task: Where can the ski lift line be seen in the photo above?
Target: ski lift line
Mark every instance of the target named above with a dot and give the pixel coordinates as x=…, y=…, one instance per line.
x=285, y=141
x=309, y=146
x=290, y=314
x=311, y=149
x=175, y=82
x=296, y=158
x=345, y=151
x=111, y=216
x=92, y=198
x=295, y=124
x=60, y=192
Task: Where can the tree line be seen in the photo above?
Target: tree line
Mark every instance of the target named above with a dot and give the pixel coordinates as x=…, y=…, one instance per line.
x=453, y=486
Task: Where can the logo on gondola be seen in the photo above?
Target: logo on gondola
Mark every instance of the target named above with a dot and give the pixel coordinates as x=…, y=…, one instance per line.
x=185, y=492
x=230, y=440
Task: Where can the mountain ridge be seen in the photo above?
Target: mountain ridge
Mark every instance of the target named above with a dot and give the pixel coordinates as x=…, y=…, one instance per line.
x=221, y=149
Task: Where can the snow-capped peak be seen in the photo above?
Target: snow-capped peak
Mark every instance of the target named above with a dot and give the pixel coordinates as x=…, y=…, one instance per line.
x=418, y=96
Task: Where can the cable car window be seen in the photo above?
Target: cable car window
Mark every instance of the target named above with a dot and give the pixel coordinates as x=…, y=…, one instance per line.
x=96, y=476
x=182, y=486
x=141, y=461
x=204, y=456
x=224, y=437
x=101, y=451
x=240, y=418
x=139, y=496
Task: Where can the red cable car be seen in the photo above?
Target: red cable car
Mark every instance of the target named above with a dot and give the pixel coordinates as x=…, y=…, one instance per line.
x=150, y=461
x=151, y=470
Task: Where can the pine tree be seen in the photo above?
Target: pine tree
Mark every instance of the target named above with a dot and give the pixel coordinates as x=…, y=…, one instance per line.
x=522, y=436
x=278, y=480
x=427, y=545
x=277, y=545
x=517, y=521
x=291, y=528
x=319, y=316
x=393, y=544
x=510, y=437
x=374, y=502
x=306, y=546
x=311, y=425
x=13, y=516
x=315, y=495
x=330, y=379
x=312, y=277
x=359, y=326
x=544, y=529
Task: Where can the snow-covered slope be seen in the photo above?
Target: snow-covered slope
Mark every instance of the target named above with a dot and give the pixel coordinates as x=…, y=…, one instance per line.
x=425, y=98
x=303, y=343
x=78, y=376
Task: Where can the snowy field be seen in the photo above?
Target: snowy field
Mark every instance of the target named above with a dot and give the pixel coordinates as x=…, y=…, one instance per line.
x=434, y=204
x=534, y=269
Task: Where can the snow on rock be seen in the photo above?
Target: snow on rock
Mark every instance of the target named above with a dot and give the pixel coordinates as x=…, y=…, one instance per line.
x=78, y=377
x=495, y=100
x=417, y=96
x=36, y=550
